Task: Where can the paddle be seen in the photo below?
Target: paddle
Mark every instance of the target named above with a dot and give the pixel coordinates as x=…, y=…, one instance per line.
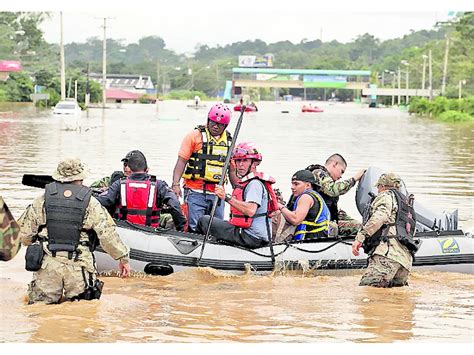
x=42, y=180
x=36, y=180
x=221, y=180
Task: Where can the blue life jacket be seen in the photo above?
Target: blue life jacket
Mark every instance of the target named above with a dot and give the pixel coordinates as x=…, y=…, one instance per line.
x=316, y=222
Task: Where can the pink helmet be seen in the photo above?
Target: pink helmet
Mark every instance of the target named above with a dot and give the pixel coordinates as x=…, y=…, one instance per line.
x=219, y=113
x=246, y=150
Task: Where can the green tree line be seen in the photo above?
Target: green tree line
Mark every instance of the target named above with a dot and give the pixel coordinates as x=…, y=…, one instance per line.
x=211, y=66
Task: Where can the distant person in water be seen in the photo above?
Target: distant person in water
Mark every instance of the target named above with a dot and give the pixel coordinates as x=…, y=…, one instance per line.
x=197, y=99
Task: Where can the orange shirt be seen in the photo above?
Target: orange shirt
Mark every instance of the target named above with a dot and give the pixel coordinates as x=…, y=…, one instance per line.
x=191, y=143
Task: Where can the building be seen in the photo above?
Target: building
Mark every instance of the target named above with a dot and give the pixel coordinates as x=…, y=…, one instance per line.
x=299, y=81
x=125, y=87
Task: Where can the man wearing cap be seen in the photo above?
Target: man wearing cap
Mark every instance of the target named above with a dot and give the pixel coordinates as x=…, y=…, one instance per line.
x=307, y=211
x=9, y=230
x=328, y=186
x=201, y=159
x=387, y=235
x=69, y=222
x=140, y=197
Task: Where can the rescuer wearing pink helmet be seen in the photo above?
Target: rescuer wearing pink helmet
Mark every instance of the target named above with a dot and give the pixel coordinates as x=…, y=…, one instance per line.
x=252, y=203
x=200, y=161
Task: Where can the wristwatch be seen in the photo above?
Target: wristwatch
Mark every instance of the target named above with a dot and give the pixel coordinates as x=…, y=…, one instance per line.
x=227, y=197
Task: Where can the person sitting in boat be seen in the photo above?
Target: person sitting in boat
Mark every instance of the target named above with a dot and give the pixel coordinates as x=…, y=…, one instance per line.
x=252, y=203
x=387, y=235
x=330, y=189
x=132, y=196
x=308, y=212
x=200, y=161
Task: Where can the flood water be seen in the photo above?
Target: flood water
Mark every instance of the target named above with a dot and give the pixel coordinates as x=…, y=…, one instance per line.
x=435, y=160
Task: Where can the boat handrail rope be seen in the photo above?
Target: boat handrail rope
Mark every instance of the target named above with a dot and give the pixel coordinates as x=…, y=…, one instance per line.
x=291, y=245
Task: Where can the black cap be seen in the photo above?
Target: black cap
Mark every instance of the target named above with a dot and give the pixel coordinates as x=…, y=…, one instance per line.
x=304, y=175
x=136, y=160
x=131, y=154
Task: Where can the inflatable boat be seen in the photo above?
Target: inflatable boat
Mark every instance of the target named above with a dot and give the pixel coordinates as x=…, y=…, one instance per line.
x=311, y=109
x=247, y=108
x=161, y=252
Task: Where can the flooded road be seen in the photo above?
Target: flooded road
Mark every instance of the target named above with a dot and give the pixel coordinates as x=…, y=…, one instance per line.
x=435, y=160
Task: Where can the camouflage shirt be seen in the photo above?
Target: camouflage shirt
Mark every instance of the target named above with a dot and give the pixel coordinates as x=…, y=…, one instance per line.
x=329, y=186
x=99, y=184
x=9, y=229
x=96, y=218
x=384, y=211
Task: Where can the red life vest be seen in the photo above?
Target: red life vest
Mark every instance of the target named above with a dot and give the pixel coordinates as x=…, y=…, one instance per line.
x=138, y=202
x=236, y=217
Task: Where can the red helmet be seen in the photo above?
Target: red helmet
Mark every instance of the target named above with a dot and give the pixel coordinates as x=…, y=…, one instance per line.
x=246, y=150
x=220, y=113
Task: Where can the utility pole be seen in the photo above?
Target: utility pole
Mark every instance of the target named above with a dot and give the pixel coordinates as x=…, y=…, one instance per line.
x=445, y=67
x=430, y=71
x=157, y=80
x=104, y=66
x=399, y=85
x=393, y=87
x=88, y=90
x=423, y=80
x=461, y=83
x=406, y=84
x=104, y=63
x=63, y=68
x=75, y=90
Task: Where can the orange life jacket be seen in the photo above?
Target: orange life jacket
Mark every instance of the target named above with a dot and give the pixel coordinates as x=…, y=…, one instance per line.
x=236, y=217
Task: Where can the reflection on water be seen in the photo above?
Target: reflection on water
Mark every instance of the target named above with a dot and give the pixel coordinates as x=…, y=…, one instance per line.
x=435, y=160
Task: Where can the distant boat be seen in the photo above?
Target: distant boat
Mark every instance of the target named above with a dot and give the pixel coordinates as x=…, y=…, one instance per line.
x=247, y=108
x=311, y=109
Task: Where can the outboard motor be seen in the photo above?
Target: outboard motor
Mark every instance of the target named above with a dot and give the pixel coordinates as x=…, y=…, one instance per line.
x=425, y=219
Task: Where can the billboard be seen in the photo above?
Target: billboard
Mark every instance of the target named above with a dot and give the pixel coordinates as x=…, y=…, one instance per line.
x=324, y=81
x=255, y=61
x=10, y=65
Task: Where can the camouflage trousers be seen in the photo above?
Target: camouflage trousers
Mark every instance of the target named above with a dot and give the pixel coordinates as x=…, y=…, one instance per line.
x=383, y=272
x=347, y=226
x=55, y=278
x=166, y=221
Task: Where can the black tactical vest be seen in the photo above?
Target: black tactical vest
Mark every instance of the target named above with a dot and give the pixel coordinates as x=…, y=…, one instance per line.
x=65, y=206
x=405, y=223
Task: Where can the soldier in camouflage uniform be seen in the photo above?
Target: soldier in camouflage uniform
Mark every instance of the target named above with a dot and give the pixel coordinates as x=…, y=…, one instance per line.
x=391, y=261
x=9, y=229
x=330, y=189
x=72, y=272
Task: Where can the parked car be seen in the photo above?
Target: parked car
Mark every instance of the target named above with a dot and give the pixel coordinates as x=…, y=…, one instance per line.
x=67, y=108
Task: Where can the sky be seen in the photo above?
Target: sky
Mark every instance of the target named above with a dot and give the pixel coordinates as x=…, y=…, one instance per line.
x=184, y=25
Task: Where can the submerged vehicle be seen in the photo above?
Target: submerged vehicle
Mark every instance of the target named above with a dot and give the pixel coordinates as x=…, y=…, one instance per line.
x=161, y=252
x=68, y=107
